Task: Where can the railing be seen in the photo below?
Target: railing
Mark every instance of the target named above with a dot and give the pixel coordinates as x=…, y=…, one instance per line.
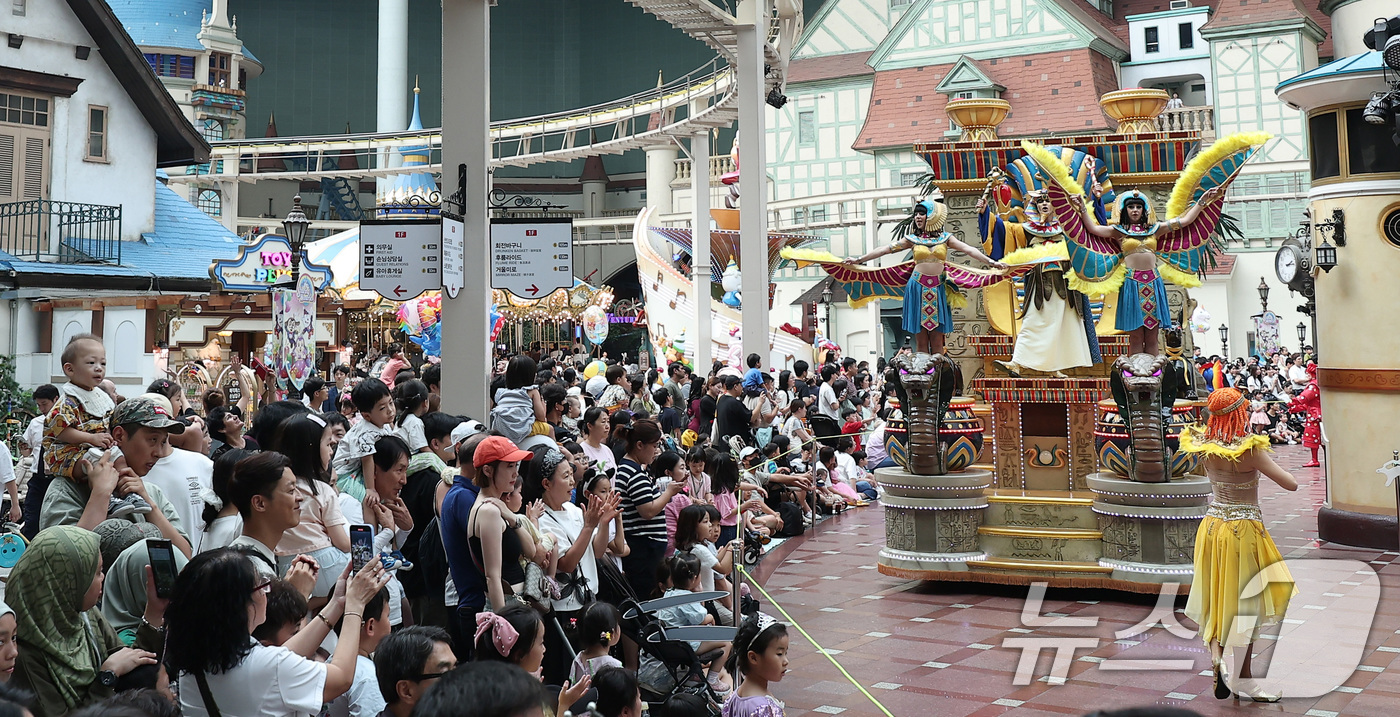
x=65, y=232
x=1188, y=119
x=719, y=165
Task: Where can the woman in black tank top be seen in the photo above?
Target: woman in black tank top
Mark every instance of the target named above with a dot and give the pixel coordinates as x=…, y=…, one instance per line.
x=496, y=537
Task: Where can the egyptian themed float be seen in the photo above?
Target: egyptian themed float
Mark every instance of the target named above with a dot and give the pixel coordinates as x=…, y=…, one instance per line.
x=1076, y=479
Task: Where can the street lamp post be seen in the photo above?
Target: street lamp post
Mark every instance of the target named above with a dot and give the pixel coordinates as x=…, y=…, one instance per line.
x=1224, y=341
x=826, y=302
x=1302, y=334
x=294, y=227
x=1263, y=294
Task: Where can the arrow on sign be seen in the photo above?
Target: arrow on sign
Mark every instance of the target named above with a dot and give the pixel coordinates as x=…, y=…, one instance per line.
x=534, y=289
x=398, y=290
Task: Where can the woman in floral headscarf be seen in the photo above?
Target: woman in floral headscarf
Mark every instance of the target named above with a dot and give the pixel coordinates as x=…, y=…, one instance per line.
x=69, y=656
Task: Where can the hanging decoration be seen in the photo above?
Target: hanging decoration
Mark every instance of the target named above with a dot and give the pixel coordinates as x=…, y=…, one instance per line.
x=421, y=320
x=595, y=324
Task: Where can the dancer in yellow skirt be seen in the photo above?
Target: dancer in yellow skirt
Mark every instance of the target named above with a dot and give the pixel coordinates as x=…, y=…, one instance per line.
x=1241, y=583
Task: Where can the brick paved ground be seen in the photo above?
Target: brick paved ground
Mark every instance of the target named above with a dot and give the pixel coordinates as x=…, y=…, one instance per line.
x=935, y=649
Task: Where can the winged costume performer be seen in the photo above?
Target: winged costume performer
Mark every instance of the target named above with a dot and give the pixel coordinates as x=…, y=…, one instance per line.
x=921, y=282
x=1135, y=253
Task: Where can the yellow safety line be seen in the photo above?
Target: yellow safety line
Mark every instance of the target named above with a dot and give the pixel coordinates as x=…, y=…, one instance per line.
x=815, y=644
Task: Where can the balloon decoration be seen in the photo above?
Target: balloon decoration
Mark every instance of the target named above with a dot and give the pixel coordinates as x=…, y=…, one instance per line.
x=497, y=320
x=1200, y=320
x=421, y=320
x=732, y=282
x=595, y=324
x=594, y=368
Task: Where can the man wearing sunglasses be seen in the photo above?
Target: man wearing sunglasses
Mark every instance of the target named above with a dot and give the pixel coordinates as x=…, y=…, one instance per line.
x=409, y=662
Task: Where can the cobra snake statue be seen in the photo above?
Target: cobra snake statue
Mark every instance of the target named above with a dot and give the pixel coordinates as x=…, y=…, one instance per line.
x=926, y=386
x=1145, y=388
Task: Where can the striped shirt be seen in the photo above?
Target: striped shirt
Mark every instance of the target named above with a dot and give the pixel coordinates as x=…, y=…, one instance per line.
x=637, y=487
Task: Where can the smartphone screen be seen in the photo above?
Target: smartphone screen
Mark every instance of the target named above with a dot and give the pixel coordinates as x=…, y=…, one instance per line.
x=162, y=555
x=361, y=546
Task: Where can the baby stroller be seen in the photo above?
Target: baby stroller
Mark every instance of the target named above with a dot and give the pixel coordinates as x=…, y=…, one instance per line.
x=669, y=664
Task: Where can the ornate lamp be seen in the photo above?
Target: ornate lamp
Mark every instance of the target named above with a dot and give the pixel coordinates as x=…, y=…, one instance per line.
x=1326, y=256
x=1302, y=334
x=1263, y=294
x=1224, y=341
x=294, y=227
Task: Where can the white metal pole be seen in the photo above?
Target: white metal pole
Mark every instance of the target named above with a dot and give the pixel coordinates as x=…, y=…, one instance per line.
x=700, y=245
x=466, y=139
x=753, y=177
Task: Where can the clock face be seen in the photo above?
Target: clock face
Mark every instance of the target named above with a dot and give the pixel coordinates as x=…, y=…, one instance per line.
x=1286, y=264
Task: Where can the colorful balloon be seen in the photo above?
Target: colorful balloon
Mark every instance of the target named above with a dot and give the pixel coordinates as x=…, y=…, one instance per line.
x=595, y=324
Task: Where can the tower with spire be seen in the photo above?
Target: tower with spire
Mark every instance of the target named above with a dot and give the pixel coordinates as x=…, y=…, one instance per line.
x=416, y=193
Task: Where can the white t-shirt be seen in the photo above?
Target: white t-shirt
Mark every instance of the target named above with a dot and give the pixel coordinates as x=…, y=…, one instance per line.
x=846, y=468
x=221, y=533
x=411, y=431
x=708, y=561
x=354, y=512
x=791, y=426
x=1298, y=376
x=7, y=465
x=270, y=681
x=34, y=433
x=566, y=524
x=184, y=476
x=363, y=699
x=827, y=404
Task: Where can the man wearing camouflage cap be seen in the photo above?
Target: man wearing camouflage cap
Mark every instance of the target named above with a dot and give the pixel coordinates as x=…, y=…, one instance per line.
x=141, y=429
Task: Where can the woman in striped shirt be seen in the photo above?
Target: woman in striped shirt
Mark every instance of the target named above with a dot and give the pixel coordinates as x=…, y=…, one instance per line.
x=643, y=504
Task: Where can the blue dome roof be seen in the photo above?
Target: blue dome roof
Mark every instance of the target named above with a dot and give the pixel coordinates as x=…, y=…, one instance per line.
x=165, y=23
x=1365, y=62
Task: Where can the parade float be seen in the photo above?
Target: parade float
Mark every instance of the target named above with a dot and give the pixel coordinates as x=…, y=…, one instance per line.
x=1076, y=480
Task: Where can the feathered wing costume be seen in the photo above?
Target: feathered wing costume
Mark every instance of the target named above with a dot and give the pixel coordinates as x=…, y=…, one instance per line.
x=1182, y=253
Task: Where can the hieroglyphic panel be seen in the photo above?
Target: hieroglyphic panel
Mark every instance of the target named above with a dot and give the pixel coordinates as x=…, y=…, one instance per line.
x=899, y=530
x=1006, y=419
x=1081, y=444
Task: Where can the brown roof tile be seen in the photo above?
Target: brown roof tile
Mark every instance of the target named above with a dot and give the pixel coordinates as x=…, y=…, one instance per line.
x=1056, y=92
x=1224, y=265
x=829, y=67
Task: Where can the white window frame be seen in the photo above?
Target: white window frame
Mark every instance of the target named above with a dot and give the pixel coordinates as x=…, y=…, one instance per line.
x=102, y=133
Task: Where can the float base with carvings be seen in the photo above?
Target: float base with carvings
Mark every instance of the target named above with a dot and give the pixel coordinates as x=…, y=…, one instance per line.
x=1040, y=504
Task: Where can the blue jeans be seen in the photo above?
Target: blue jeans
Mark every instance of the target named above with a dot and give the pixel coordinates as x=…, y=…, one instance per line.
x=864, y=488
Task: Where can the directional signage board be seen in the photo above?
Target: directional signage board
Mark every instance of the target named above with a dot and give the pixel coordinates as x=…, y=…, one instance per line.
x=454, y=256
x=532, y=258
x=400, y=259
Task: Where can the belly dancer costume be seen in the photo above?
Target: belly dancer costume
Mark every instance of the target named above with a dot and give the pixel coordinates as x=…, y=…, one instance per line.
x=926, y=305
x=1241, y=583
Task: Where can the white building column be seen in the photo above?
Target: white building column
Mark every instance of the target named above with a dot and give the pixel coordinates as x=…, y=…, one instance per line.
x=661, y=171
x=391, y=101
x=700, y=243
x=466, y=139
x=753, y=177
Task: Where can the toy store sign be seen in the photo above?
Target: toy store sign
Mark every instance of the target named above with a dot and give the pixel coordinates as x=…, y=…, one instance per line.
x=263, y=264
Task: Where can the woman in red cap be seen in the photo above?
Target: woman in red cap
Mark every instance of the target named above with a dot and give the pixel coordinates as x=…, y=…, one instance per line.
x=497, y=537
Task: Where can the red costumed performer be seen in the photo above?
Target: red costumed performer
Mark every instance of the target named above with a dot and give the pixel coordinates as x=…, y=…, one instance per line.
x=1309, y=403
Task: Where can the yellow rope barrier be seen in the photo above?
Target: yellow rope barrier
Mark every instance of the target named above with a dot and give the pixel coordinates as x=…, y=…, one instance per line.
x=815, y=644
